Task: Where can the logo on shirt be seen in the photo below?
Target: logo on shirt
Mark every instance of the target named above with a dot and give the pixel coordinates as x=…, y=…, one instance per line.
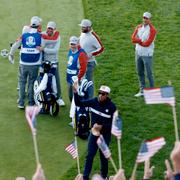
x=70, y=60
x=107, y=110
x=30, y=41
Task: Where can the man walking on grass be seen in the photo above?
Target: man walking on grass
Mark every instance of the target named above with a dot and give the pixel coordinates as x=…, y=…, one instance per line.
x=143, y=37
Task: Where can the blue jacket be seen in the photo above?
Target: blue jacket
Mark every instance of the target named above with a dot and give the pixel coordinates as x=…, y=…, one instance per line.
x=29, y=53
x=73, y=65
x=101, y=113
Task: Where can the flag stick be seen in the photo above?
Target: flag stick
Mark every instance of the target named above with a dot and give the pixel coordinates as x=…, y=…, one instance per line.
x=112, y=162
x=119, y=153
x=133, y=176
x=75, y=138
x=35, y=148
x=78, y=166
x=175, y=123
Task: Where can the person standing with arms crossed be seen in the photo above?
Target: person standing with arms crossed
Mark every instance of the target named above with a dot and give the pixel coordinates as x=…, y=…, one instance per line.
x=102, y=110
x=93, y=46
x=144, y=36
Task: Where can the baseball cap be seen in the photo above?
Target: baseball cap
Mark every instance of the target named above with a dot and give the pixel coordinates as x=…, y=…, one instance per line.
x=36, y=21
x=73, y=40
x=105, y=89
x=85, y=23
x=51, y=24
x=147, y=15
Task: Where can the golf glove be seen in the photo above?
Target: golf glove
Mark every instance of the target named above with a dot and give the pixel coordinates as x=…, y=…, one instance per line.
x=11, y=58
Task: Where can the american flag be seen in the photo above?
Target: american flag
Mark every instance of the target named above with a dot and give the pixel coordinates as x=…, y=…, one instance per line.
x=31, y=112
x=149, y=148
x=116, y=129
x=162, y=95
x=72, y=150
x=103, y=147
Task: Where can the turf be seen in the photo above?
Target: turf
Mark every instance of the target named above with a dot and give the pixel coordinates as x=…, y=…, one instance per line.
x=17, y=153
x=114, y=21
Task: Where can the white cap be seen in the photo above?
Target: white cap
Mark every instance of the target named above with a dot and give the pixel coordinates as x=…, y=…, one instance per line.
x=51, y=24
x=73, y=40
x=147, y=15
x=85, y=23
x=105, y=89
x=36, y=21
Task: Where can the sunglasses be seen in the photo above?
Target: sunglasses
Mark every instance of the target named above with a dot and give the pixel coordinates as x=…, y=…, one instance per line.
x=145, y=18
x=102, y=93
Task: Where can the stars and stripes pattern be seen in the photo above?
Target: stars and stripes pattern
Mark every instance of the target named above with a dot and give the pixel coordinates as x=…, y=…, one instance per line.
x=116, y=129
x=162, y=95
x=103, y=147
x=31, y=113
x=72, y=150
x=149, y=148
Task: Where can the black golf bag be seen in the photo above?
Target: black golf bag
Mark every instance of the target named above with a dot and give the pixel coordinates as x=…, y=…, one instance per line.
x=45, y=90
x=82, y=117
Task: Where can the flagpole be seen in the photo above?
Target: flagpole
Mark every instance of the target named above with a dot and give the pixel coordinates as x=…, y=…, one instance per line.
x=35, y=148
x=78, y=166
x=175, y=123
x=119, y=153
x=112, y=162
x=133, y=176
x=76, y=144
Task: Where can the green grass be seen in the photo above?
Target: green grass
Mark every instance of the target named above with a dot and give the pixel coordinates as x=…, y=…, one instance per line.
x=17, y=153
x=114, y=21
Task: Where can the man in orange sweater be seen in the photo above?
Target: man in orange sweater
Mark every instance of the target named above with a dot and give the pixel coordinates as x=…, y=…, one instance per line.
x=143, y=37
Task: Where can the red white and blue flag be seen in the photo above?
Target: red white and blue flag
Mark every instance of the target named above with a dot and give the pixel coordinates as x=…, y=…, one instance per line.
x=149, y=148
x=103, y=147
x=72, y=150
x=162, y=95
x=116, y=129
x=31, y=113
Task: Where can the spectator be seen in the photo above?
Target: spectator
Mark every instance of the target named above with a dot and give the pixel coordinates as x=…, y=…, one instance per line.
x=102, y=110
x=169, y=172
x=144, y=36
x=50, y=47
x=91, y=43
x=30, y=59
x=79, y=177
x=119, y=175
x=39, y=174
x=77, y=63
x=148, y=171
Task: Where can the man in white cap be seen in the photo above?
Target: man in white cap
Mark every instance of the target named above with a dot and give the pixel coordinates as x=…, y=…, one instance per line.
x=143, y=37
x=77, y=63
x=92, y=44
x=102, y=110
x=30, y=60
x=50, y=47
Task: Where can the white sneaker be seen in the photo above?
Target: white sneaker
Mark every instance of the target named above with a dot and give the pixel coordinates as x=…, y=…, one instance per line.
x=20, y=107
x=71, y=124
x=60, y=102
x=139, y=94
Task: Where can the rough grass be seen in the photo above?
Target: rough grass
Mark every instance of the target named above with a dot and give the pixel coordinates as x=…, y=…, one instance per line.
x=114, y=21
x=17, y=153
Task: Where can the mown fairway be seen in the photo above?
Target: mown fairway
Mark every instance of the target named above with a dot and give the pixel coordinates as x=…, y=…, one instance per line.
x=114, y=21
x=17, y=153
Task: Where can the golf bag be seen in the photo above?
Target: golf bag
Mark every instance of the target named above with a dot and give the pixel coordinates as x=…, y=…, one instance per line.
x=82, y=117
x=45, y=90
